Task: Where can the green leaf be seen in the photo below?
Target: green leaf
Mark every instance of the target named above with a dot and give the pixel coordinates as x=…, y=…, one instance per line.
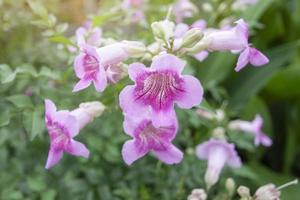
x=101, y=19
x=20, y=101
x=37, y=8
x=36, y=184
x=5, y=115
x=6, y=74
x=291, y=80
x=251, y=80
x=48, y=195
x=61, y=39
x=255, y=12
x=33, y=122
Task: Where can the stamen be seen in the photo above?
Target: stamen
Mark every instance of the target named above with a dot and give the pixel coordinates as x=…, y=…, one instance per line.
x=294, y=182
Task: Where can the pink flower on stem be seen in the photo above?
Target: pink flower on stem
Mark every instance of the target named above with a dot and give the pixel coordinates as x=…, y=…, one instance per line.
x=218, y=153
x=254, y=127
x=64, y=125
x=157, y=88
x=236, y=41
x=149, y=138
x=98, y=66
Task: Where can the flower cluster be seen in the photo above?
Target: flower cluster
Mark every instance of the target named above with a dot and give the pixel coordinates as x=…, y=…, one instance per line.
x=148, y=105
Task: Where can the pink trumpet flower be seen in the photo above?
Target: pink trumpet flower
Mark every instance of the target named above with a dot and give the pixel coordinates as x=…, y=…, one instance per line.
x=87, y=34
x=97, y=65
x=236, y=41
x=218, y=153
x=157, y=88
x=148, y=138
x=254, y=127
x=64, y=125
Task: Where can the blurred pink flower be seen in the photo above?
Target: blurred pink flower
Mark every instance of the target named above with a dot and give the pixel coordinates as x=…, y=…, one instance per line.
x=62, y=127
x=218, y=153
x=184, y=9
x=133, y=3
x=87, y=34
x=149, y=138
x=157, y=88
x=96, y=65
x=267, y=192
x=254, y=127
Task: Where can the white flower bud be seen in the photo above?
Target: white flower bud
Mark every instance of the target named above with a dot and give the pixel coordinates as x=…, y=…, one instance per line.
x=267, y=192
x=219, y=133
x=207, y=7
x=134, y=48
x=200, y=46
x=230, y=186
x=244, y=193
x=163, y=30
x=93, y=108
x=197, y=194
x=191, y=38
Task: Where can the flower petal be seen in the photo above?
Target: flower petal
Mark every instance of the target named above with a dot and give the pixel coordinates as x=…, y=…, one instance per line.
x=168, y=62
x=172, y=155
x=131, y=153
x=243, y=60
x=201, y=56
x=79, y=65
x=163, y=118
x=180, y=30
x=128, y=103
x=50, y=107
x=82, y=84
x=136, y=69
x=263, y=139
x=100, y=82
x=77, y=149
x=193, y=93
x=54, y=157
x=72, y=125
x=257, y=58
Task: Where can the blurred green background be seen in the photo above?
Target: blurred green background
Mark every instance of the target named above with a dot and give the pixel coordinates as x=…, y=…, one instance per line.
x=34, y=65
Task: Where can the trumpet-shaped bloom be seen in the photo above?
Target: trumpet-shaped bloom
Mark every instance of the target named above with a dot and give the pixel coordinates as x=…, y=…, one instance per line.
x=236, y=41
x=254, y=127
x=158, y=88
x=218, y=153
x=96, y=65
x=62, y=127
x=148, y=138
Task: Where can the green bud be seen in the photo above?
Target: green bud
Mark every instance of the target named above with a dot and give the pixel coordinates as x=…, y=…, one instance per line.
x=191, y=38
x=134, y=48
x=163, y=30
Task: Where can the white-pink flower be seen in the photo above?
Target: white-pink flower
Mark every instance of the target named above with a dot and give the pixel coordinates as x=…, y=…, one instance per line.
x=150, y=138
x=254, y=127
x=236, y=41
x=98, y=66
x=158, y=88
x=64, y=125
x=218, y=153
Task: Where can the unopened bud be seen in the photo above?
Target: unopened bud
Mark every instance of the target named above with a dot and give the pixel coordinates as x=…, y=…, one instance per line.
x=219, y=133
x=230, y=186
x=267, y=192
x=134, y=48
x=198, y=47
x=163, y=30
x=191, y=38
x=205, y=114
x=93, y=108
x=244, y=193
x=197, y=194
x=207, y=7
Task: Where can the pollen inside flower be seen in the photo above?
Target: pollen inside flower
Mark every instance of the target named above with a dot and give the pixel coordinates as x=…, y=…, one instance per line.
x=91, y=64
x=150, y=137
x=159, y=89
